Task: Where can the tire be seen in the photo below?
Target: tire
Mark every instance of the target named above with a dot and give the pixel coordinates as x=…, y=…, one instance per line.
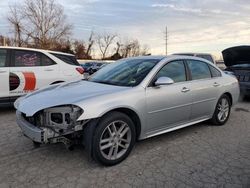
x=111, y=146
x=220, y=118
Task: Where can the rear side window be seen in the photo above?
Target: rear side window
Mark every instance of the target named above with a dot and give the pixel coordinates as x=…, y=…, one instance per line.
x=214, y=71
x=67, y=59
x=24, y=58
x=199, y=70
x=174, y=70
x=3, y=55
x=46, y=61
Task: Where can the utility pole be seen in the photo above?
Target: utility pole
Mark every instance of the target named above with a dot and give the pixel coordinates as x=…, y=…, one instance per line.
x=166, y=40
x=4, y=41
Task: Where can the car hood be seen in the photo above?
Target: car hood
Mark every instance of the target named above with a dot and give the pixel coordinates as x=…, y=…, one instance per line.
x=236, y=55
x=62, y=94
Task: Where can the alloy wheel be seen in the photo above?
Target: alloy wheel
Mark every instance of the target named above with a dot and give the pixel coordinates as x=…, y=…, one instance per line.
x=115, y=140
x=223, y=110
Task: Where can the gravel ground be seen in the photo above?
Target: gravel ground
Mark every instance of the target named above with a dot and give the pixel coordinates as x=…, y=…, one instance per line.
x=198, y=156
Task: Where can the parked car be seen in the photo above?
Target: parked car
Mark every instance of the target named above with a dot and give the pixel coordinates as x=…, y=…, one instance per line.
x=132, y=99
x=237, y=60
x=206, y=56
x=23, y=70
x=220, y=64
x=92, y=67
x=86, y=66
x=95, y=67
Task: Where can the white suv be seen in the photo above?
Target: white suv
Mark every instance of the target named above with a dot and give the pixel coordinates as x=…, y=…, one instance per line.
x=24, y=70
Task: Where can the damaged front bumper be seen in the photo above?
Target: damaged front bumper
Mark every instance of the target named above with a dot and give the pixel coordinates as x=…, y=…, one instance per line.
x=44, y=135
x=34, y=133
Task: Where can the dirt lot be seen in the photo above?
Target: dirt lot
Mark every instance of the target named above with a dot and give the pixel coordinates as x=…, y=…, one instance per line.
x=198, y=156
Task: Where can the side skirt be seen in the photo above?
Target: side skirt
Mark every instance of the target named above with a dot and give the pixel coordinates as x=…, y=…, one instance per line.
x=175, y=128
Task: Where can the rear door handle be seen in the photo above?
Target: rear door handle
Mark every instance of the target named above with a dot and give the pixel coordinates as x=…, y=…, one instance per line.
x=216, y=84
x=184, y=90
x=48, y=69
x=3, y=71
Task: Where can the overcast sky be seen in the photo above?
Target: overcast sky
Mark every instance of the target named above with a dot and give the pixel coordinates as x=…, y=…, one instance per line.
x=194, y=25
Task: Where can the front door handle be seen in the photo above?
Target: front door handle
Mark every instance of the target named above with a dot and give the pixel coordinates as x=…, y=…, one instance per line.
x=216, y=84
x=184, y=90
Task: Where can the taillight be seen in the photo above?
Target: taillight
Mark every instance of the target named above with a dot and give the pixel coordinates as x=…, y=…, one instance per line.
x=80, y=70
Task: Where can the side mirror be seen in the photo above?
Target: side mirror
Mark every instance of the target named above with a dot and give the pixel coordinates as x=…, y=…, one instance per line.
x=164, y=81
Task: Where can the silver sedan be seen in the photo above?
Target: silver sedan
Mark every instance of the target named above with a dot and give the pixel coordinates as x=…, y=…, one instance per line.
x=132, y=99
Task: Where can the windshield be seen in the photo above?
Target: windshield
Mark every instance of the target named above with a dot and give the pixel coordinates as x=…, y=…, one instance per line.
x=128, y=72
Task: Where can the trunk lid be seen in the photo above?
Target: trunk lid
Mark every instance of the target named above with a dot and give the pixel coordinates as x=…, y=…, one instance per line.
x=238, y=55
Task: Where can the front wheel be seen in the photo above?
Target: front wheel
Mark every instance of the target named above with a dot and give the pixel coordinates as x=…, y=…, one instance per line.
x=114, y=138
x=222, y=111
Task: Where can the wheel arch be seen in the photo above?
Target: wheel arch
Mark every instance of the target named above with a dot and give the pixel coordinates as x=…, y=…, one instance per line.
x=131, y=114
x=56, y=82
x=229, y=96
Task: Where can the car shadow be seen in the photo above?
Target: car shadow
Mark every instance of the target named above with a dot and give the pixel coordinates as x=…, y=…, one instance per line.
x=80, y=154
x=7, y=109
x=245, y=99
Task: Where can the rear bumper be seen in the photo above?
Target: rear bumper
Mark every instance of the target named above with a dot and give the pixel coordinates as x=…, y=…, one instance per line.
x=29, y=130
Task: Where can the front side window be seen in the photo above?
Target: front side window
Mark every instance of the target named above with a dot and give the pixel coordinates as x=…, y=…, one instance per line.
x=199, y=70
x=127, y=72
x=46, y=61
x=3, y=55
x=24, y=58
x=174, y=70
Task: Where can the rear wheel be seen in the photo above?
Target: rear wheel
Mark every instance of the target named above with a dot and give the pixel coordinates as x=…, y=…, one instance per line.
x=222, y=111
x=114, y=138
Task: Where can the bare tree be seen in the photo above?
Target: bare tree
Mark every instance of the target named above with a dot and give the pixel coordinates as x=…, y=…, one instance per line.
x=15, y=19
x=133, y=48
x=104, y=42
x=145, y=50
x=41, y=21
x=80, y=50
x=6, y=41
x=63, y=45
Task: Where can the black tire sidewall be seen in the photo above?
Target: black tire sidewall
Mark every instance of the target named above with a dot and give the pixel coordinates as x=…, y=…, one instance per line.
x=215, y=116
x=103, y=123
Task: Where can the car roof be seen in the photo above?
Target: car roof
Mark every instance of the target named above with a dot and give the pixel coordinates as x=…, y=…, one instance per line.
x=34, y=49
x=153, y=57
x=171, y=57
x=183, y=57
x=190, y=53
x=158, y=57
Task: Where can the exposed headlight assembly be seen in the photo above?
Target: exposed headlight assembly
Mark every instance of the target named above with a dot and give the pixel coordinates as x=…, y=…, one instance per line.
x=62, y=117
